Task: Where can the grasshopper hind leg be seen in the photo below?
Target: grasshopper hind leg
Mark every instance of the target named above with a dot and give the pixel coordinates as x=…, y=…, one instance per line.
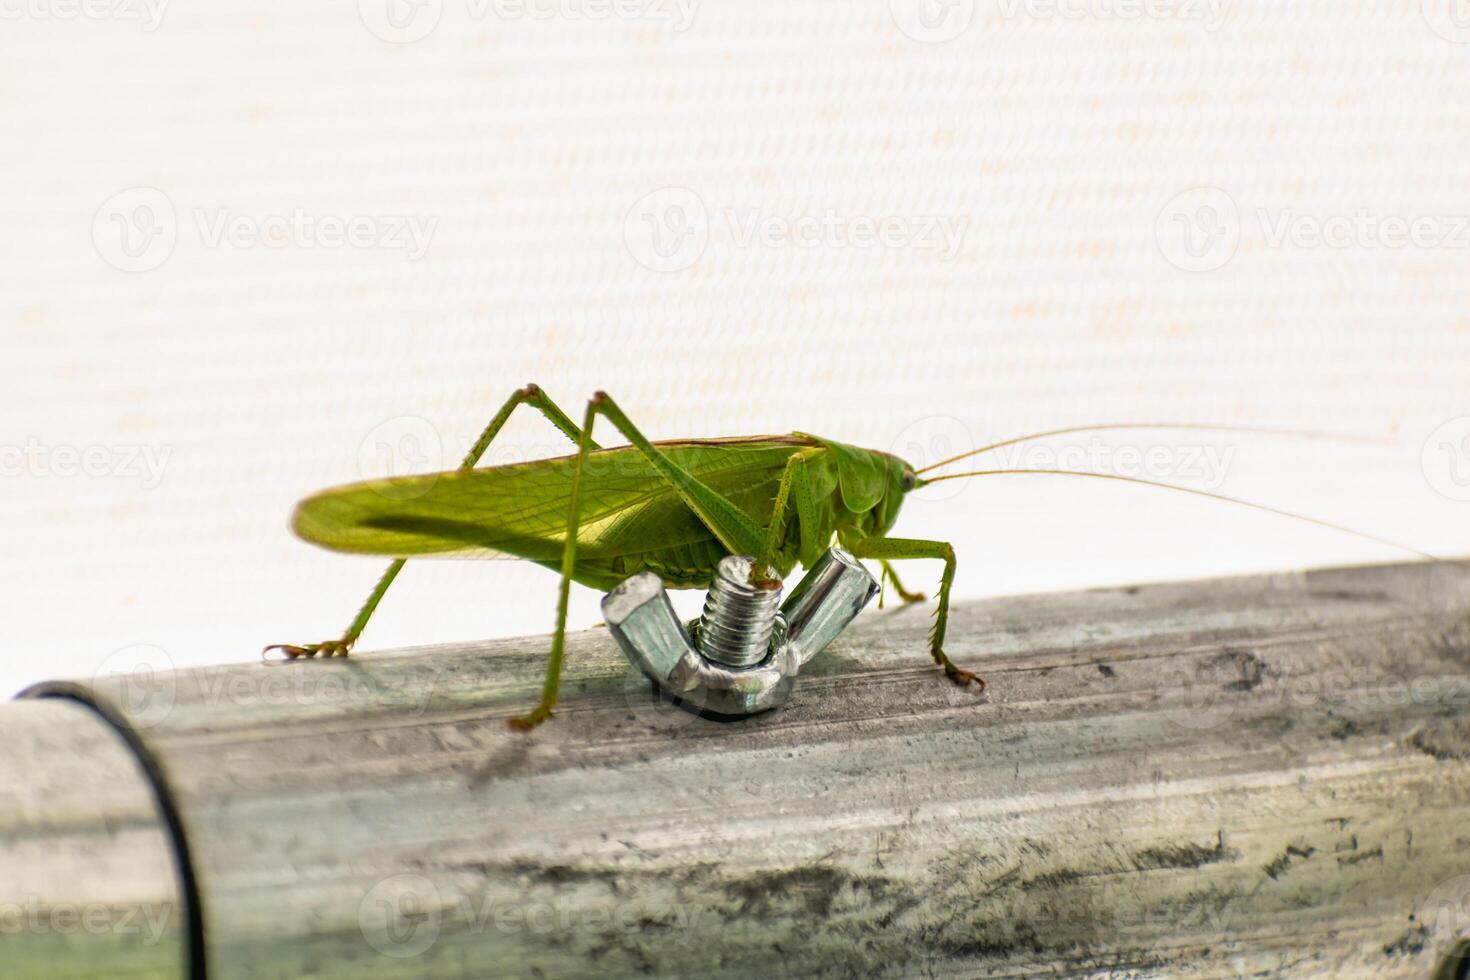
x=531, y=395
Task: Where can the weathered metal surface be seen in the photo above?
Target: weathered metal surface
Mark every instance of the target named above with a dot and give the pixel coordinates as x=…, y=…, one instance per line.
x=88, y=884
x=1265, y=776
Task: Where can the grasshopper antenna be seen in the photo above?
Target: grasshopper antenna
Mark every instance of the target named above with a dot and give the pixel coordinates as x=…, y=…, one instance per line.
x=1191, y=490
x=1178, y=426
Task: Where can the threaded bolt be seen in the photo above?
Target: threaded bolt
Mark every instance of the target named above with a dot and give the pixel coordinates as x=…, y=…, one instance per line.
x=739, y=613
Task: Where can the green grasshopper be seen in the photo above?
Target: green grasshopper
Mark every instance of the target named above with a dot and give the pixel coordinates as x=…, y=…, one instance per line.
x=671, y=507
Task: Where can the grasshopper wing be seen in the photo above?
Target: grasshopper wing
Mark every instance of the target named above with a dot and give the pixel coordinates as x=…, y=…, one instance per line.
x=521, y=510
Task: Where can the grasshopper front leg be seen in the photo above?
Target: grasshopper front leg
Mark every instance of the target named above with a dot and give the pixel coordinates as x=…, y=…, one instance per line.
x=886, y=549
x=531, y=395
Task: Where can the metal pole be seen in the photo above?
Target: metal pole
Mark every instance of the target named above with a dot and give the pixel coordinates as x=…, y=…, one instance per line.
x=1266, y=775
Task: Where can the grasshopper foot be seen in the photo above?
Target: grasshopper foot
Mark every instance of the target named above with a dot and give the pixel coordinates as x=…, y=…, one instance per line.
x=537, y=716
x=907, y=597
x=328, y=648
x=958, y=675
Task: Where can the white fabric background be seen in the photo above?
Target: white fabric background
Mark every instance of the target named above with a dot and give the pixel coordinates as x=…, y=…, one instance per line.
x=1058, y=142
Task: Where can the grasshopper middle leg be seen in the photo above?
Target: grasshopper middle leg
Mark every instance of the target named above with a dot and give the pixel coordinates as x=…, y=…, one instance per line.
x=903, y=593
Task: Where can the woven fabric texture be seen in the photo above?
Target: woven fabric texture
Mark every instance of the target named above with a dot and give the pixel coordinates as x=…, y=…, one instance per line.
x=252, y=249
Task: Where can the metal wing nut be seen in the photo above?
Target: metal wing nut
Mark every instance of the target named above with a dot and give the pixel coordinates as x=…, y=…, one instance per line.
x=685, y=661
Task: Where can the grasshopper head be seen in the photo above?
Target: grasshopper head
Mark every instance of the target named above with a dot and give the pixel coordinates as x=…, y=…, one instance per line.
x=899, y=479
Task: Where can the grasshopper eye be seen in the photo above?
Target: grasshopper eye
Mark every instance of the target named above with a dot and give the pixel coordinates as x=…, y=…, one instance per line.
x=909, y=480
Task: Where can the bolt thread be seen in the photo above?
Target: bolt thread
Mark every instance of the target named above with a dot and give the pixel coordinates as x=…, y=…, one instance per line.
x=739, y=614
